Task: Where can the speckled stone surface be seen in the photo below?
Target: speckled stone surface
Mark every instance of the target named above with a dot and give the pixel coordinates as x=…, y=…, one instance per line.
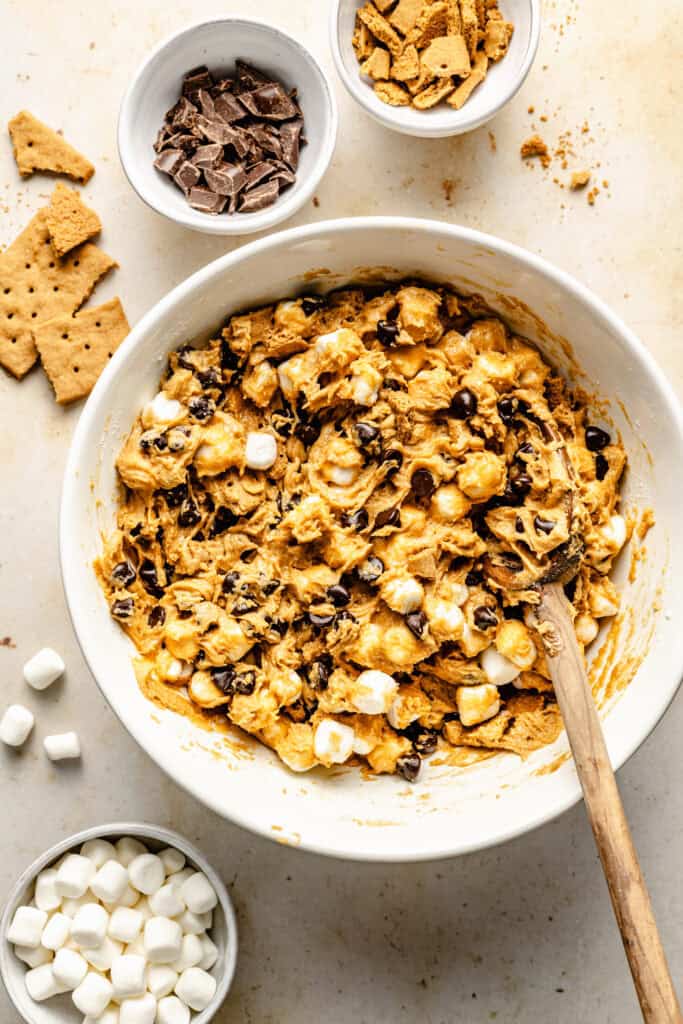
x=520, y=933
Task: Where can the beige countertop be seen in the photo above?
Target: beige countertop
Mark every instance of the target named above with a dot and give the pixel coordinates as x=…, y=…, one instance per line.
x=519, y=933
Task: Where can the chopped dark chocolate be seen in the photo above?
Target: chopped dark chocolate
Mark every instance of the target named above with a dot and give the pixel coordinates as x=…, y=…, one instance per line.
x=228, y=108
x=187, y=176
x=208, y=156
x=196, y=79
x=271, y=102
x=290, y=138
x=169, y=161
x=227, y=180
x=263, y=169
x=205, y=200
x=206, y=104
x=259, y=198
x=248, y=77
x=183, y=114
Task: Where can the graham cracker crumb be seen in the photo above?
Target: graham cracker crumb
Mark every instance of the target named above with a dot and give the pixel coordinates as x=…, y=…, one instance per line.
x=535, y=146
x=579, y=179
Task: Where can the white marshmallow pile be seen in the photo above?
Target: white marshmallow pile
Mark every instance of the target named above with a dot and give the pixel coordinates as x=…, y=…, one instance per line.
x=124, y=931
x=16, y=724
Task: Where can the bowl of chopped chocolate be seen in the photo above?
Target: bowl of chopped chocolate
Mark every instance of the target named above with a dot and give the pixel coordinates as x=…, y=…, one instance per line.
x=227, y=127
x=434, y=68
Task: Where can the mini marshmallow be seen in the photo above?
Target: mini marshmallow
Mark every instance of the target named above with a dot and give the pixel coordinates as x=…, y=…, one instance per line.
x=196, y=988
x=145, y=911
x=497, y=669
x=342, y=476
x=403, y=594
x=110, y=1016
x=166, y=902
x=128, y=898
x=125, y=924
x=69, y=968
x=333, y=741
x=99, y=851
x=181, y=876
x=41, y=983
x=27, y=927
x=128, y=976
x=146, y=873
x=16, y=725
x=477, y=703
x=194, y=924
x=374, y=691
x=261, y=450
x=43, y=669
x=93, y=995
x=46, y=896
x=128, y=848
x=160, y=980
x=191, y=953
x=161, y=410
x=586, y=629
x=142, y=1010
x=70, y=907
x=136, y=947
x=56, y=932
x=171, y=1011
x=209, y=953
x=89, y=927
x=363, y=389
x=102, y=957
x=62, y=746
x=172, y=859
x=74, y=876
x=163, y=940
x=110, y=882
x=615, y=532
x=33, y=957
x=198, y=894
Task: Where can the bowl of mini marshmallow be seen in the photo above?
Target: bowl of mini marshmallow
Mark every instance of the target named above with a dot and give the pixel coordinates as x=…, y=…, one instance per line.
x=120, y=924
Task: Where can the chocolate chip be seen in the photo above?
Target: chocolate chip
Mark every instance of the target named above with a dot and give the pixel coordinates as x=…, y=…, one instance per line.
x=230, y=581
x=189, y=514
x=280, y=626
x=123, y=608
x=394, y=457
x=338, y=595
x=596, y=439
x=245, y=683
x=370, y=570
x=463, y=404
x=201, y=408
x=392, y=385
x=356, y=520
x=543, y=525
x=319, y=672
x=417, y=623
x=473, y=578
x=387, y=332
x=228, y=108
x=520, y=483
x=208, y=378
x=310, y=304
x=248, y=555
x=175, y=496
x=343, y=616
x=224, y=678
x=123, y=573
x=601, y=466
x=367, y=432
x=408, y=765
x=526, y=449
x=424, y=741
x=149, y=578
x=244, y=605
x=422, y=483
x=229, y=359
x=319, y=620
x=509, y=407
x=160, y=443
x=519, y=525
x=485, y=618
x=387, y=517
x=157, y=616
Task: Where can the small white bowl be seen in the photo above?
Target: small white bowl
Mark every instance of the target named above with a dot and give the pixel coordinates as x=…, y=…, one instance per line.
x=61, y=1010
x=218, y=43
x=502, y=82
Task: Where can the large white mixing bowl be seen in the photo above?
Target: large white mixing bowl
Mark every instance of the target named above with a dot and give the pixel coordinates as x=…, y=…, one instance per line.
x=453, y=810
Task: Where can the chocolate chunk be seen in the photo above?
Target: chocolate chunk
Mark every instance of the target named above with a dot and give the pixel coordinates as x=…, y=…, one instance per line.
x=387, y=517
x=263, y=169
x=124, y=574
x=596, y=439
x=227, y=179
x=175, y=496
x=187, y=176
x=259, y=198
x=222, y=85
x=422, y=483
x=207, y=156
x=196, y=79
x=182, y=115
x=157, y=616
x=319, y=620
x=224, y=678
x=473, y=578
x=201, y=408
x=169, y=161
x=367, y=432
x=485, y=618
x=387, y=332
x=519, y=525
x=189, y=514
x=123, y=608
x=270, y=102
x=248, y=77
x=214, y=131
x=268, y=138
x=230, y=581
x=209, y=378
x=149, y=578
x=206, y=201
x=356, y=520
x=543, y=525
x=370, y=570
x=417, y=623
x=162, y=135
x=311, y=304
x=206, y=104
x=229, y=359
x=463, y=404
x=228, y=108
x=338, y=595
x=290, y=140
x=408, y=765
x=601, y=466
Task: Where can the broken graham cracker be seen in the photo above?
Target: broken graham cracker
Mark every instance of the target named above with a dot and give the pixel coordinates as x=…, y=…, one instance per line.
x=476, y=76
x=69, y=221
x=405, y=14
x=579, y=179
x=446, y=56
x=392, y=93
x=35, y=285
x=380, y=28
x=39, y=148
x=377, y=65
x=433, y=94
x=75, y=349
x=407, y=66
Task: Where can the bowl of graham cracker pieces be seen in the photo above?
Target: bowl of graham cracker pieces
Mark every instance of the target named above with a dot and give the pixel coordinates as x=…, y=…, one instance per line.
x=434, y=68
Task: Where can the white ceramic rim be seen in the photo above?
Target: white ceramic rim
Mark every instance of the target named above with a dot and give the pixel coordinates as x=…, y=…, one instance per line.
x=288, y=204
x=183, y=293
x=392, y=118
x=142, y=830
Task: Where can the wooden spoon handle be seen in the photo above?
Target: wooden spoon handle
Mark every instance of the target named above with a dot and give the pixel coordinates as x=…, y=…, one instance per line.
x=629, y=894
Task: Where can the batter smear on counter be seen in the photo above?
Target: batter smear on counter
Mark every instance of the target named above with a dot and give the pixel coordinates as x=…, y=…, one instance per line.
x=308, y=505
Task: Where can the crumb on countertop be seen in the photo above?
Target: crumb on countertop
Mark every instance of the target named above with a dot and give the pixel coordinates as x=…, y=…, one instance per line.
x=535, y=146
x=579, y=179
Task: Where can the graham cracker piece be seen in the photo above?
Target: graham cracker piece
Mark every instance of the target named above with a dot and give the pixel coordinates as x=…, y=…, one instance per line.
x=362, y=41
x=36, y=285
x=535, y=146
x=482, y=13
x=405, y=14
x=406, y=66
x=453, y=19
x=383, y=5
x=431, y=23
x=377, y=65
x=69, y=221
x=75, y=349
x=446, y=56
x=424, y=79
x=497, y=38
x=433, y=94
x=475, y=78
x=39, y=148
x=470, y=25
x=579, y=179
x=392, y=93
x=380, y=28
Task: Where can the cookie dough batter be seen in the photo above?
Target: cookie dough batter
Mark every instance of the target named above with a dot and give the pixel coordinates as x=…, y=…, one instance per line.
x=306, y=511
